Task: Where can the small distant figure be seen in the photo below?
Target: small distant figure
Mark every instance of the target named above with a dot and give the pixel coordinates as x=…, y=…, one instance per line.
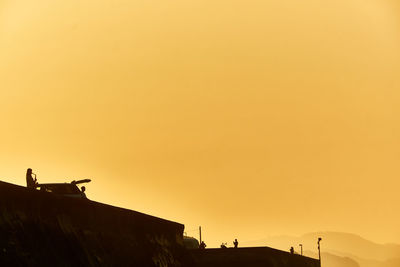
x=235, y=243
x=291, y=250
x=31, y=182
x=223, y=245
x=202, y=245
x=83, y=189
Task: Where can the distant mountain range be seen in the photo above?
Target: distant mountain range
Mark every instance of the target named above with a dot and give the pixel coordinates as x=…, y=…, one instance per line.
x=339, y=249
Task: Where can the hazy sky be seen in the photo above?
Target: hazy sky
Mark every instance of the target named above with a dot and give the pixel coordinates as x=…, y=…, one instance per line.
x=250, y=118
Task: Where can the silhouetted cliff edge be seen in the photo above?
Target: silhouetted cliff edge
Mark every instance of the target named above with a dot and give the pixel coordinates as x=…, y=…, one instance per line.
x=43, y=229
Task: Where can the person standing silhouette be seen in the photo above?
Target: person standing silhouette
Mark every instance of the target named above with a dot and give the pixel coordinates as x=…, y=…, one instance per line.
x=235, y=243
x=83, y=189
x=30, y=181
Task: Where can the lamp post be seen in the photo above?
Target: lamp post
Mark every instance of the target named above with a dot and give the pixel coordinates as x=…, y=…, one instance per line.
x=301, y=249
x=200, y=233
x=319, y=250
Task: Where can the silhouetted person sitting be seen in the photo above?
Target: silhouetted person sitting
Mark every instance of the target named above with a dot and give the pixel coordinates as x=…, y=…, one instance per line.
x=223, y=245
x=31, y=181
x=83, y=189
x=202, y=245
x=291, y=250
x=235, y=243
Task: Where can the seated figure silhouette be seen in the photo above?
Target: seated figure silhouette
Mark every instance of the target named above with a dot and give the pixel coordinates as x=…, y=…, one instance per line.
x=31, y=181
x=83, y=189
x=202, y=245
x=235, y=243
x=223, y=245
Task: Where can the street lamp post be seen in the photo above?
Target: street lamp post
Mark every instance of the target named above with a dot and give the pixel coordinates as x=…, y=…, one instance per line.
x=319, y=250
x=200, y=234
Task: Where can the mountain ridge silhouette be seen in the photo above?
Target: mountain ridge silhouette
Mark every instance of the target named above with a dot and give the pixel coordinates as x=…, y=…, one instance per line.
x=354, y=244
x=339, y=249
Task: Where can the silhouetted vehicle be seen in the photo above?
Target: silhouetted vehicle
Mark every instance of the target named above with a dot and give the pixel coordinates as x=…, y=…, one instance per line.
x=190, y=242
x=65, y=189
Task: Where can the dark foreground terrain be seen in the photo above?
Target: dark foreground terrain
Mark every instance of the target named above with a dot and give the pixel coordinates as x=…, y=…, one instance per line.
x=44, y=229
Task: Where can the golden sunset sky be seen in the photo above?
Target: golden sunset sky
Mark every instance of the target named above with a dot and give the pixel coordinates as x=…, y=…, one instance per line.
x=251, y=118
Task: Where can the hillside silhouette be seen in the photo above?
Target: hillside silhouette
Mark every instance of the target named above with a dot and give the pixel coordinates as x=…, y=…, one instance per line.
x=332, y=260
x=346, y=244
x=340, y=249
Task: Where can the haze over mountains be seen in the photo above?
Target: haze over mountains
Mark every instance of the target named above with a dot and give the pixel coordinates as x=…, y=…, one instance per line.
x=245, y=117
x=340, y=249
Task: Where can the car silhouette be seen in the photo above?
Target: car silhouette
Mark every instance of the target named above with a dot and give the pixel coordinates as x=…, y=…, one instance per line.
x=65, y=189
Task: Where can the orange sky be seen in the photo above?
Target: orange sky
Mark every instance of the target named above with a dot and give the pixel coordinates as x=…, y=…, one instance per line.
x=250, y=118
